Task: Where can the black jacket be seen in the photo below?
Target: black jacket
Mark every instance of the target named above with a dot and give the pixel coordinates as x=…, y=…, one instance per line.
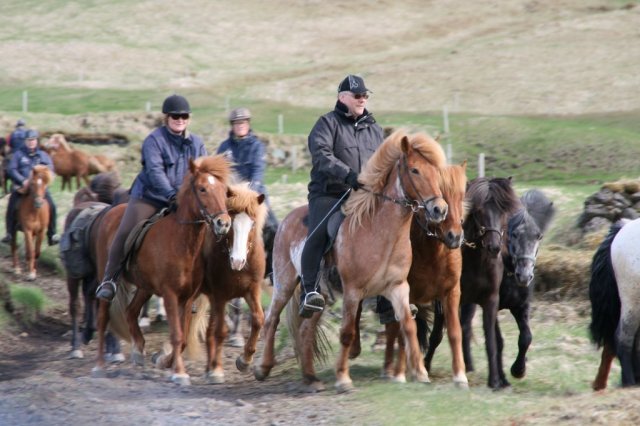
x=339, y=144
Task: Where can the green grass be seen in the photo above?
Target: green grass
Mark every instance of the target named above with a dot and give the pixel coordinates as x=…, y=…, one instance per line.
x=29, y=300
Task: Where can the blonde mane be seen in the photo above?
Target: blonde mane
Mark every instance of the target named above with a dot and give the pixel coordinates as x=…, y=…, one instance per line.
x=453, y=180
x=362, y=204
x=60, y=141
x=246, y=200
x=43, y=172
x=216, y=165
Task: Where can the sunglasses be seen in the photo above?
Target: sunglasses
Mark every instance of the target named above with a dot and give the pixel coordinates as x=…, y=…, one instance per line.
x=179, y=116
x=360, y=95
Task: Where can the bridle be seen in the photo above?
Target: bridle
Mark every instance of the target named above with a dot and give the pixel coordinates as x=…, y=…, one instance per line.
x=482, y=231
x=414, y=204
x=207, y=218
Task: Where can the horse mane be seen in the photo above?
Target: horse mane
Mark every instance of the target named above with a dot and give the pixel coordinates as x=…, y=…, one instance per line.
x=495, y=192
x=43, y=172
x=539, y=207
x=453, y=179
x=374, y=176
x=245, y=200
x=61, y=141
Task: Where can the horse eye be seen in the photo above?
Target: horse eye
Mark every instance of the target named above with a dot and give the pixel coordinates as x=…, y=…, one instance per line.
x=415, y=171
x=203, y=189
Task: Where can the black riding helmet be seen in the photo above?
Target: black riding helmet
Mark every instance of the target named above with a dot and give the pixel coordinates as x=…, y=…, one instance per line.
x=176, y=104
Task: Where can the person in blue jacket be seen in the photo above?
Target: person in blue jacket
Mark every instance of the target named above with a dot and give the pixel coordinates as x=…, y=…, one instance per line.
x=247, y=154
x=23, y=160
x=165, y=161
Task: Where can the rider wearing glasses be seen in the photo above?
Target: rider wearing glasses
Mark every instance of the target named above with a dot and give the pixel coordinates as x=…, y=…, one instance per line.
x=165, y=161
x=340, y=144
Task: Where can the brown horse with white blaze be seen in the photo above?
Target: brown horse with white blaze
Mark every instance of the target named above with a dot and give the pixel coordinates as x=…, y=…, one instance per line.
x=33, y=219
x=168, y=262
x=372, y=251
x=234, y=268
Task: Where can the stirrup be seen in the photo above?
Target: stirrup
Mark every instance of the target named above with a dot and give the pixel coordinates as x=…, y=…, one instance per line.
x=105, y=292
x=313, y=302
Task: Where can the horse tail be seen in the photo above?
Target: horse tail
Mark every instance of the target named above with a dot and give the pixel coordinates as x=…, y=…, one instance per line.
x=118, y=310
x=321, y=345
x=603, y=292
x=197, y=330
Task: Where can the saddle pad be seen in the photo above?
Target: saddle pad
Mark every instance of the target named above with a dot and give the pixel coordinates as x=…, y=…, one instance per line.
x=137, y=234
x=74, y=243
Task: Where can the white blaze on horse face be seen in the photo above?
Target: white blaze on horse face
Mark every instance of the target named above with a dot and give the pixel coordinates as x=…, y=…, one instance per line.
x=242, y=225
x=212, y=180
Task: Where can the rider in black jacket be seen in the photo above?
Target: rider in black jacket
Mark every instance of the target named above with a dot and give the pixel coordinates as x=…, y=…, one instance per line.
x=340, y=143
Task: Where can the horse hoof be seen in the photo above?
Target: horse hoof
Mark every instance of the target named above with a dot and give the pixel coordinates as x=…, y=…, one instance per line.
x=181, y=379
x=98, y=372
x=17, y=271
x=241, y=365
x=314, y=387
x=422, y=378
x=260, y=373
x=518, y=373
x=400, y=378
x=214, y=378
x=144, y=323
x=137, y=358
x=31, y=276
x=236, y=341
x=76, y=354
x=386, y=375
x=343, y=387
x=461, y=382
x=115, y=358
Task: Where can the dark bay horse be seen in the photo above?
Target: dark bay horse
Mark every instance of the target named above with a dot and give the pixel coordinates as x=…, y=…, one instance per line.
x=234, y=268
x=435, y=274
x=491, y=201
x=614, y=291
x=33, y=219
x=372, y=251
x=168, y=262
x=78, y=254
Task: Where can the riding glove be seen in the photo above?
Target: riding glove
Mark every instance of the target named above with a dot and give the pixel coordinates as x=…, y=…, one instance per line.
x=352, y=180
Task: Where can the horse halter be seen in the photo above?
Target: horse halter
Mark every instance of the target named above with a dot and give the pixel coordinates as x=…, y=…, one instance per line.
x=208, y=218
x=482, y=231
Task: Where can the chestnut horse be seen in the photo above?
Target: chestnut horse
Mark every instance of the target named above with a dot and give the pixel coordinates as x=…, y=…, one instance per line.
x=372, y=251
x=234, y=268
x=168, y=262
x=33, y=219
x=68, y=162
x=435, y=274
x=614, y=291
x=492, y=201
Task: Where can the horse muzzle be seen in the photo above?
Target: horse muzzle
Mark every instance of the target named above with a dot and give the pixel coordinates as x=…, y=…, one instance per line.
x=38, y=202
x=436, y=210
x=453, y=240
x=237, y=264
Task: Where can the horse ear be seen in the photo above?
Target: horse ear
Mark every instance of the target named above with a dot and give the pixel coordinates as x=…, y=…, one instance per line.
x=464, y=165
x=230, y=193
x=192, y=166
x=261, y=198
x=405, y=145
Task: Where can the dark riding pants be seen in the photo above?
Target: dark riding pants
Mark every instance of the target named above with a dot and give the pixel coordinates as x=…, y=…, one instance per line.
x=12, y=213
x=312, y=253
x=137, y=210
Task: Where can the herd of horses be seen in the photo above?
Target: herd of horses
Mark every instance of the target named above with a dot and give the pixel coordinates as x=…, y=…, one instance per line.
x=417, y=232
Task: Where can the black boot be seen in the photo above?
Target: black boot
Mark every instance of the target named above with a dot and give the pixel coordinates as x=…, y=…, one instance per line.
x=107, y=290
x=311, y=302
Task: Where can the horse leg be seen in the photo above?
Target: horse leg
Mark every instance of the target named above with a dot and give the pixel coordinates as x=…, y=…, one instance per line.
x=399, y=296
x=347, y=334
x=608, y=355
x=73, y=287
x=454, y=333
x=14, y=255
x=132, y=313
x=519, y=366
x=625, y=337
x=176, y=336
x=236, y=340
x=282, y=292
x=500, y=346
x=397, y=374
x=434, y=338
x=30, y=255
x=356, y=347
x=257, y=321
x=90, y=307
x=216, y=333
x=489, y=314
x=103, y=320
x=467, y=312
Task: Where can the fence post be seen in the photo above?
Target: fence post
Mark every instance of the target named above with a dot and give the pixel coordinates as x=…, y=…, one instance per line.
x=25, y=101
x=147, y=106
x=280, y=124
x=294, y=158
x=449, y=153
x=445, y=117
x=481, y=164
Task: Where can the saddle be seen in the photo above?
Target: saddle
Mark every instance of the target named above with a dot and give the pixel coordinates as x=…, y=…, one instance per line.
x=136, y=236
x=74, y=243
x=333, y=225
